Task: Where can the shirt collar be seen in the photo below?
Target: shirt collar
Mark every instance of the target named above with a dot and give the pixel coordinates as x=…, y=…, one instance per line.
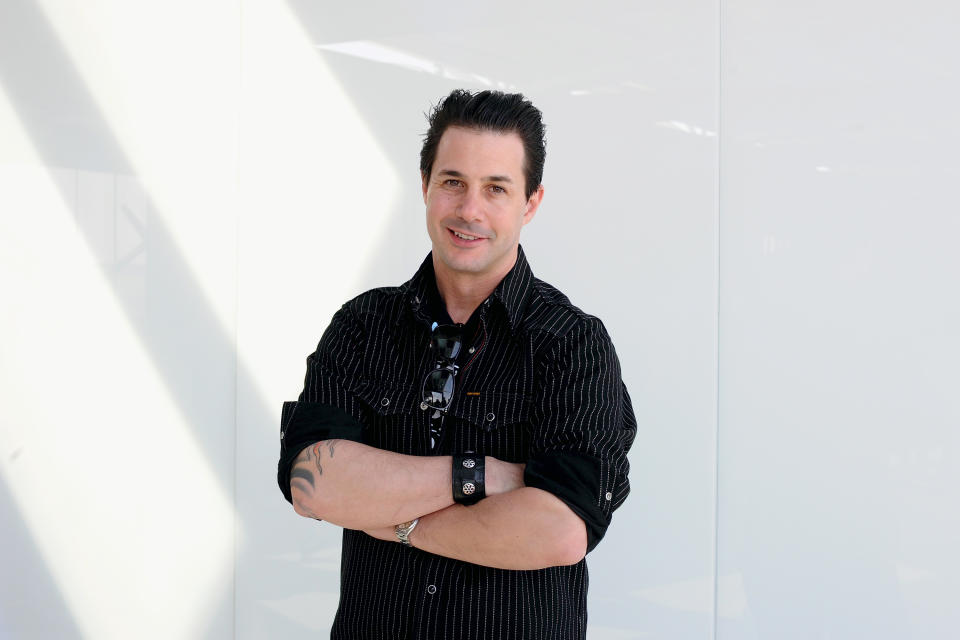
x=511, y=293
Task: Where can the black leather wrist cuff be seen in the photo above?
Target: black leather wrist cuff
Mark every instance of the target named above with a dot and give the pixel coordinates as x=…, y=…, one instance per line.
x=468, y=477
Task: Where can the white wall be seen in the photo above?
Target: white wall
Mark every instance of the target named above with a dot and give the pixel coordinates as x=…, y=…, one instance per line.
x=839, y=313
x=757, y=199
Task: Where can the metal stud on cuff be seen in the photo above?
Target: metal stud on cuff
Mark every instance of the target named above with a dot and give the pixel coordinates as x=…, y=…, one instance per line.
x=469, y=488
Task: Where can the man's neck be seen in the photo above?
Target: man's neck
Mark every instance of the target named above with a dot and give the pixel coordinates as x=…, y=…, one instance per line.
x=463, y=292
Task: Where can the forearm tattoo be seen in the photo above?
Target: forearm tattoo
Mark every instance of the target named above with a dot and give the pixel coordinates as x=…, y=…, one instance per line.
x=307, y=467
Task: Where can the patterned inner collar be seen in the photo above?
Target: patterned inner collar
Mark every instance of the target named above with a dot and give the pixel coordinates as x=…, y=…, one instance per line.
x=511, y=293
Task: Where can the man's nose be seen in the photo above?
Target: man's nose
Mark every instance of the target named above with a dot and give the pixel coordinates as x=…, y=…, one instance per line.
x=471, y=205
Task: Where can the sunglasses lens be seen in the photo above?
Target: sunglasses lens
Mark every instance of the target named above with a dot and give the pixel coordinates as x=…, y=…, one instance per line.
x=438, y=388
x=446, y=341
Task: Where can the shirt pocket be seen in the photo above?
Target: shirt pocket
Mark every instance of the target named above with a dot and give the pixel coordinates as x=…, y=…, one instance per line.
x=392, y=410
x=491, y=410
x=494, y=424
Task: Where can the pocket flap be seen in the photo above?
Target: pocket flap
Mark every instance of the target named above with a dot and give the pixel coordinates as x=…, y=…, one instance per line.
x=490, y=410
x=385, y=398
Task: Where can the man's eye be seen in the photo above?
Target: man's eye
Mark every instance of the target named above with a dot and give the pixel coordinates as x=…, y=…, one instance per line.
x=498, y=189
x=451, y=182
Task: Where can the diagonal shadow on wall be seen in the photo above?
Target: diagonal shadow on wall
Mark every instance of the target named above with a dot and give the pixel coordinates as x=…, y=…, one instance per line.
x=181, y=328
x=31, y=605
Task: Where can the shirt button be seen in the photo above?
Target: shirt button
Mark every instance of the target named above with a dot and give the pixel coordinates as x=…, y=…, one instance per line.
x=471, y=349
x=385, y=402
x=609, y=496
x=491, y=417
x=431, y=589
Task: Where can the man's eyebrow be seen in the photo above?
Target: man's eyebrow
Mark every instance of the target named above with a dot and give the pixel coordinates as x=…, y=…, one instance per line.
x=456, y=174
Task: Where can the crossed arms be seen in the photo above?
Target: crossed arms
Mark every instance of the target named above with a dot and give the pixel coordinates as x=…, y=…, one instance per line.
x=356, y=486
x=547, y=512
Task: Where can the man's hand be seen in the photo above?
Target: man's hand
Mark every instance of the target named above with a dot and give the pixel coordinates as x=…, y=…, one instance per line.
x=502, y=477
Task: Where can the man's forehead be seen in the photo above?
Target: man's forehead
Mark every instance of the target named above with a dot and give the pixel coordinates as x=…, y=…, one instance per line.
x=464, y=149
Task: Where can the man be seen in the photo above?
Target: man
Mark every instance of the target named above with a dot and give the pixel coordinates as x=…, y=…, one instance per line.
x=468, y=429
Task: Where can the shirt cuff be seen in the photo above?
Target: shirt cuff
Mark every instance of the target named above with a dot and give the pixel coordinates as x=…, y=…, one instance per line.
x=574, y=478
x=302, y=424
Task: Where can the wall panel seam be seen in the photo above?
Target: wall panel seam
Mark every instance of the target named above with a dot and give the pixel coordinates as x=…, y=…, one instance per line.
x=717, y=249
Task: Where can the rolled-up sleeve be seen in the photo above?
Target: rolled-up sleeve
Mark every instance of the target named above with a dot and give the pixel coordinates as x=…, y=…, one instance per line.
x=583, y=426
x=327, y=407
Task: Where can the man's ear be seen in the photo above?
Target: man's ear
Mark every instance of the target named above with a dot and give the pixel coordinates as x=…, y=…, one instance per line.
x=533, y=203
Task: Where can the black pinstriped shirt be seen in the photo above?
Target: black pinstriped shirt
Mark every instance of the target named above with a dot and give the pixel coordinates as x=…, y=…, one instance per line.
x=542, y=385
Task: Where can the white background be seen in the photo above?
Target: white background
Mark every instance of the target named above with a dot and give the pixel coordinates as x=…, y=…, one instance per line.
x=758, y=199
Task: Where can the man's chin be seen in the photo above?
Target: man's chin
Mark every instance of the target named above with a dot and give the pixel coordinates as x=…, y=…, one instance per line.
x=455, y=260
x=465, y=266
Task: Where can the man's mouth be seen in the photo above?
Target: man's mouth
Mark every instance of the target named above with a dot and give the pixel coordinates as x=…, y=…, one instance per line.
x=465, y=236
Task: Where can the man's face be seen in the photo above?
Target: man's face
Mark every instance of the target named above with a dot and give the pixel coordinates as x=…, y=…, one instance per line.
x=477, y=190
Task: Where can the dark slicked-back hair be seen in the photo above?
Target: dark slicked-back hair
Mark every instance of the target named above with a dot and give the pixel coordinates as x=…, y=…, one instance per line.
x=489, y=111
